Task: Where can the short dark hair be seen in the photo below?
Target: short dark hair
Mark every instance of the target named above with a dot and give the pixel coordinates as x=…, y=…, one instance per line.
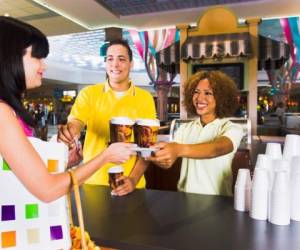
x=15, y=37
x=224, y=90
x=123, y=43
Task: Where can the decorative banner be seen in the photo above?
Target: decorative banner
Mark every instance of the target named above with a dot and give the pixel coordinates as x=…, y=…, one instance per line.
x=136, y=38
x=148, y=43
x=171, y=37
x=148, y=59
x=290, y=28
x=161, y=39
x=293, y=23
x=288, y=35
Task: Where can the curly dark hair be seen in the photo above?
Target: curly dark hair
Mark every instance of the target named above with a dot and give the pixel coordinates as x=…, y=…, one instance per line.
x=224, y=90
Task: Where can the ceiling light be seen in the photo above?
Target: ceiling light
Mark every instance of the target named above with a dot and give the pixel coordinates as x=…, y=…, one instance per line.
x=60, y=12
x=276, y=17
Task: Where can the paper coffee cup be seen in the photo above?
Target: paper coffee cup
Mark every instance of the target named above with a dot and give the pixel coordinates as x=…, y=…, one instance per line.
x=121, y=129
x=291, y=146
x=145, y=132
x=274, y=150
x=114, y=173
x=259, y=194
x=242, y=190
x=280, y=199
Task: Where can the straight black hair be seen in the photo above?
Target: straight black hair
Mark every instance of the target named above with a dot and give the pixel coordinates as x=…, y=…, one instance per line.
x=15, y=37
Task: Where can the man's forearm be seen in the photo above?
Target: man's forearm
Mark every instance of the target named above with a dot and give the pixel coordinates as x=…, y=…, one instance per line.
x=138, y=170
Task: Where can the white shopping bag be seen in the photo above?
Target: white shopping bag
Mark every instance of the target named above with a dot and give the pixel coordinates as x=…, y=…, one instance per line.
x=25, y=221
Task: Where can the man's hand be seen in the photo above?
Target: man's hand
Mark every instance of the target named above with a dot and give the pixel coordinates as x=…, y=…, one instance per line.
x=69, y=133
x=166, y=155
x=127, y=187
x=65, y=135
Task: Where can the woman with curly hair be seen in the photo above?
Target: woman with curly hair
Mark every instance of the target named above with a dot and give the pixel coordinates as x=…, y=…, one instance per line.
x=208, y=143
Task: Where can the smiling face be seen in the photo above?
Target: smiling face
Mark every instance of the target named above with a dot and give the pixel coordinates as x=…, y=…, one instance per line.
x=34, y=69
x=118, y=66
x=204, y=101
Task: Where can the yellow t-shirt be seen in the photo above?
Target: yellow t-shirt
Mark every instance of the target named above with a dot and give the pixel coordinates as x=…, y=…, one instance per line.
x=208, y=176
x=94, y=106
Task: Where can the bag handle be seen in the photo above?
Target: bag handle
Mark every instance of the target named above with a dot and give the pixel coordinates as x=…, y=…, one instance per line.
x=74, y=184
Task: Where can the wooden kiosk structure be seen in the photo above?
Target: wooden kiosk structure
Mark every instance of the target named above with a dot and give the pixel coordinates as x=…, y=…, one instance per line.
x=219, y=38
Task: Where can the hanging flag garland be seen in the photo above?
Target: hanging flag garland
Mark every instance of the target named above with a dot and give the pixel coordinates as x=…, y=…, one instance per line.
x=291, y=31
x=148, y=43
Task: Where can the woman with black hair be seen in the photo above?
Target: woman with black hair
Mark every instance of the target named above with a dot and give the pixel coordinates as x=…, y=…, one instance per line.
x=22, y=52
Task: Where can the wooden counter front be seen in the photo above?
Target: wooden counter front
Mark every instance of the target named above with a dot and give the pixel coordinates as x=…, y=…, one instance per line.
x=166, y=179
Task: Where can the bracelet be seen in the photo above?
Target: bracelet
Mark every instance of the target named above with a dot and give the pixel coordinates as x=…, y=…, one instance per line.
x=73, y=178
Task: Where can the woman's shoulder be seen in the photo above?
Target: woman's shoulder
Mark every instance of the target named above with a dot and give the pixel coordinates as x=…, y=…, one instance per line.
x=12, y=118
x=228, y=123
x=5, y=108
x=7, y=112
x=228, y=126
x=189, y=124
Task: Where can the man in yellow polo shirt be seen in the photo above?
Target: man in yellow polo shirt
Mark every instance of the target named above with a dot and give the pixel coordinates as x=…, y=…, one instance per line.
x=97, y=104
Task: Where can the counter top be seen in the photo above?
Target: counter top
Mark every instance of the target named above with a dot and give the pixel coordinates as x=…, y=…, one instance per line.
x=150, y=219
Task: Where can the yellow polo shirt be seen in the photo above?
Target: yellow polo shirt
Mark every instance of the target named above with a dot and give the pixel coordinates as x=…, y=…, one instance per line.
x=94, y=106
x=208, y=176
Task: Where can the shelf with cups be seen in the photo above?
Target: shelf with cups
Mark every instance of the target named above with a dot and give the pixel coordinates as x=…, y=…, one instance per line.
x=172, y=108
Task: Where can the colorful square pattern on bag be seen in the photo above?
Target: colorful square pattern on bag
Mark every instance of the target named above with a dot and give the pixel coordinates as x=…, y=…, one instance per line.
x=31, y=211
x=8, y=239
x=33, y=236
x=52, y=166
x=56, y=233
x=5, y=166
x=8, y=212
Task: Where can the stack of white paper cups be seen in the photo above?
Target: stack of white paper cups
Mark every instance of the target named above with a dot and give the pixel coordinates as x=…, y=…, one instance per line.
x=295, y=197
x=274, y=150
x=280, y=199
x=295, y=165
x=265, y=162
x=242, y=190
x=291, y=146
x=259, y=194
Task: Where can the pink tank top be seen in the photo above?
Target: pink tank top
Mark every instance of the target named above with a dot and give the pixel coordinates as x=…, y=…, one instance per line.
x=27, y=130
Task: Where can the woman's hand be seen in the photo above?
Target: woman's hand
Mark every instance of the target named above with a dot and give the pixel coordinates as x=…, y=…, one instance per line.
x=127, y=187
x=119, y=152
x=166, y=155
